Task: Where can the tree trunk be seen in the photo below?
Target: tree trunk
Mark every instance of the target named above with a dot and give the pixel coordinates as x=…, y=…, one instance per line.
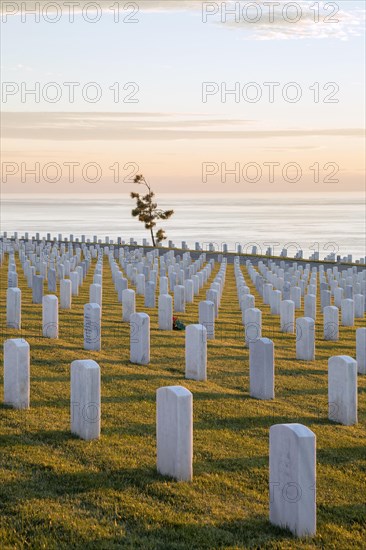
x=152, y=236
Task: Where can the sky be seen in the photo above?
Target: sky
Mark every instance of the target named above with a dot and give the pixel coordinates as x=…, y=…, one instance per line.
x=265, y=99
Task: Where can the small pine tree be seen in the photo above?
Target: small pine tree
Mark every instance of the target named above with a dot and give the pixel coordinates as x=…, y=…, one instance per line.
x=148, y=212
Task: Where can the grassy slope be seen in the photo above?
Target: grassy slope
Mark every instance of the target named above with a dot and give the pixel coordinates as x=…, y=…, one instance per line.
x=58, y=491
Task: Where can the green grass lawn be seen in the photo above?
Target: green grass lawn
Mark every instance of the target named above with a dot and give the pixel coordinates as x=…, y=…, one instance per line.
x=58, y=491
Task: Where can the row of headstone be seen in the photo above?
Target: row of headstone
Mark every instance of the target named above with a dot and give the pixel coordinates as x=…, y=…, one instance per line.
x=342, y=370
x=54, y=263
x=49, y=302
x=57, y=248
x=286, y=308
x=76, y=278
x=184, y=293
x=292, y=443
x=214, y=293
x=14, y=240
x=252, y=316
x=298, y=275
x=43, y=260
x=347, y=284
x=305, y=326
x=172, y=272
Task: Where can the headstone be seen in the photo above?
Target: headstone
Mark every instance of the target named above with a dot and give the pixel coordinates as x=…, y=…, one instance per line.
x=305, y=339
x=67, y=268
x=140, y=339
x=261, y=369
x=174, y=431
x=196, y=284
x=252, y=325
x=16, y=373
x=292, y=478
x=31, y=276
x=37, y=289
x=12, y=279
x=164, y=285
x=52, y=282
x=140, y=284
x=98, y=279
x=179, y=299
x=74, y=278
x=287, y=316
x=181, y=277
x=200, y=279
x=276, y=302
x=338, y=297
x=295, y=296
x=286, y=292
x=80, y=272
x=349, y=292
x=150, y=300
x=359, y=300
x=247, y=302
x=196, y=352
x=85, y=399
x=92, y=327
x=259, y=284
x=189, y=291
x=121, y=285
x=267, y=290
x=61, y=271
x=165, y=312
x=128, y=304
x=325, y=298
x=361, y=350
x=310, y=306
x=312, y=289
x=206, y=311
x=95, y=295
x=50, y=316
x=172, y=280
x=331, y=323
x=13, y=308
x=348, y=312
x=342, y=390
x=213, y=296
x=65, y=294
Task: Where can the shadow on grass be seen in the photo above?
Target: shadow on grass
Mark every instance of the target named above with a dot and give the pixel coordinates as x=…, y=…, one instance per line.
x=65, y=378
x=51, y=403
x=50, y=437
x=245, y=423
x=110, y=378
x=168, y=532
x=352, y=514
x=250, y=532
x=212, y=465
x=341, y=455
x=304, y=391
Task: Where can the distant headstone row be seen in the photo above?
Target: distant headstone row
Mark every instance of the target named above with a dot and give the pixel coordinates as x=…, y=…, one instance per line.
x=250, y=249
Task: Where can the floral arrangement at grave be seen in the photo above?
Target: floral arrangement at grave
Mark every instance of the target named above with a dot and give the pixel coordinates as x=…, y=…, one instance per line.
x=178, y=325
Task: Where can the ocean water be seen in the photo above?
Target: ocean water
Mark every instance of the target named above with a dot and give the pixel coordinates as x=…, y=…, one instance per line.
x=323, y=222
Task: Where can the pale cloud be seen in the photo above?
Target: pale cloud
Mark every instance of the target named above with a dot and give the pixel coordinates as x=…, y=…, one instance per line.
x=170, y=5
x=74, y=126
x=18, y=68
x=349, y=24
x=344, y=22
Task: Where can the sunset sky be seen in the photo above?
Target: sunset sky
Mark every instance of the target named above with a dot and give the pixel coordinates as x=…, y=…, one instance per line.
x=168, y=131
